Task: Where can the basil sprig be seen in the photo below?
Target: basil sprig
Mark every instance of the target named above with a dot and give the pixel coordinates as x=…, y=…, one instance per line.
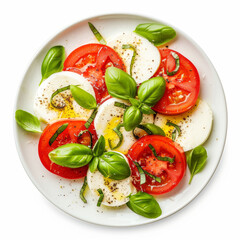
x=73, y=155
x=196, y=160
x=122, y=85
x=145, y=205
x=27, y=121
x=156, y=33
x=53, y=62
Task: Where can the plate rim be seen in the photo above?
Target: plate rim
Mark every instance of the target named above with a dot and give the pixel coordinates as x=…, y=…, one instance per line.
x=125, y=14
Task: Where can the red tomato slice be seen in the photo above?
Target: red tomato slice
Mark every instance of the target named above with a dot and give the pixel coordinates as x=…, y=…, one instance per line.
x=67, y=136
x=92, y=60
x=170, y=173
x=182, y=89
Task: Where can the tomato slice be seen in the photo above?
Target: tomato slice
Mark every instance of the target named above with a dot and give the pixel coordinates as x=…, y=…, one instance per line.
x=170, y=173
x=182, y=88
x=69, y=135
x=92, y=60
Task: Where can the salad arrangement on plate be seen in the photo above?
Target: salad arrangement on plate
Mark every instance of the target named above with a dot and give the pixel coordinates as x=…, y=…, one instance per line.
x=124, y=115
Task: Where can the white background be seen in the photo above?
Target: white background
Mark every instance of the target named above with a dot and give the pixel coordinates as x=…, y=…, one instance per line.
x=25, y=26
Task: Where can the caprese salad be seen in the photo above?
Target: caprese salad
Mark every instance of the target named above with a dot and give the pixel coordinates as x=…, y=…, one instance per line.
x=124, y=114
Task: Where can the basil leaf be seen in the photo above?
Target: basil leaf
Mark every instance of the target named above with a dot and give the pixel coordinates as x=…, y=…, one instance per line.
x=114, y=166
x=167, y=159
x=83, y=98
x=121, y=105
x=97, y=34
x=27, y=121
x=177, y=128
x=155, y=130
x=71, y=155
x=130, y=46
x=177, y=64
x=93, y=164
x=196, y=160
x=120, y=84
x=83, y=190
x=135, y=102
x=53, y=62
x=91, y=118
x=145, y=109
x=131, y=118
x=99, y=147
x=152, y=90
x=156, y=33
x=100, y=198
x=119, y=134
x=59, y=131
x=145, y=205
x=141, y=173
x=90, y=135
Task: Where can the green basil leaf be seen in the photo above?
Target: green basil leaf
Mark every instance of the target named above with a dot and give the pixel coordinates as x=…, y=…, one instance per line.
x=196, y=160
x=71, y=155
x=177, y=64
x=156, y=33
x=90, y=135
x=135, y=102
x=27, y=121
x=167, y=159
x=132, y=118
x=119, y=134
x=59, y=131
x=155, y=130
x=145, y=109
x=120, y=84
x=141, y=173
x=83, y=98
x=114, y=166
x=100, y=197
x=174, y=133
x=99, y=147
x=130, y=46
x=91, y=118
x=53, y=62
x=93, y=164
x=121, y=105
x=152, y=90
x=145, y=205
x=83, y=190
x=97, y=34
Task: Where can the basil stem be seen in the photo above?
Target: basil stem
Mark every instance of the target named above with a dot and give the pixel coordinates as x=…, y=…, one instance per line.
x=141, y=172
x=83, y=190
x=100, y=198
x=174, y=131
x=177, y=64
x=119, y=134
x=168, y=159
x=97, y=34
x=99, y=147
x=89, y=121
x=90, y=134
x=121, y=105
x=130, y=46
x=57, y=133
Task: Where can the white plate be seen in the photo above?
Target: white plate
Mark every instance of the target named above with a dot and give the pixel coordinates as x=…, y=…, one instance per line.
x=65, y=193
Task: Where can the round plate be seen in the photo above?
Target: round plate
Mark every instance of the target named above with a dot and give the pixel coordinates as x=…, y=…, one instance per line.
x=65, y=193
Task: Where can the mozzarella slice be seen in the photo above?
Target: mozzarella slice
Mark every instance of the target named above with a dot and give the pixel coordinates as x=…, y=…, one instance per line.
x=42, y=106
x=147, y=59
x=115, y=191
x=195, y=125
x=108, y=117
